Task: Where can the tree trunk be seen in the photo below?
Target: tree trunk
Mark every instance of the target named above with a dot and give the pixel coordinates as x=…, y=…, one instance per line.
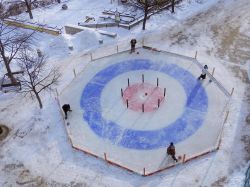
x=7, y=64
x=145, y=15
x=30, y=14
x=172, y=5
x=9, y=73
x=38, y=98
x=28, y=5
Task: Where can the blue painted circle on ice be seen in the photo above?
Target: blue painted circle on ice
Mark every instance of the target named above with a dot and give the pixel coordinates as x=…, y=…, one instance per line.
x=187, y=124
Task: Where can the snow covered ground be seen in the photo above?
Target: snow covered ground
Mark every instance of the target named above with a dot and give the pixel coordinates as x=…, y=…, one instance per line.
x=37, y=151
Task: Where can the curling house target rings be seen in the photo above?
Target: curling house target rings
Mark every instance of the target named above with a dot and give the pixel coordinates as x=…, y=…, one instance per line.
x=182, y=128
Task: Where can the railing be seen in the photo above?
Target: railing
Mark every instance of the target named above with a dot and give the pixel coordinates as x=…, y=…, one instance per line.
x=122, y=46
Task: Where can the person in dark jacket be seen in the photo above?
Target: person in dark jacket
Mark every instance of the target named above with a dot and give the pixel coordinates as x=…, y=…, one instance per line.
x=66, y=109
x=171, y=151
x=203, y=73
x=132, y=42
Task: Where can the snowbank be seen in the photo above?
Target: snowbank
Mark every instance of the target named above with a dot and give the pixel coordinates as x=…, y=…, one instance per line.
x=83, y=40
x=59, y=47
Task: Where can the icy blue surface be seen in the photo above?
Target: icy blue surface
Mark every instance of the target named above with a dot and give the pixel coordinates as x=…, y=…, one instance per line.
x=187, y=124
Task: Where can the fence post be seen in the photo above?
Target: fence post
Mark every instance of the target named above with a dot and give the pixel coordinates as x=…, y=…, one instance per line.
x=157, y=81
x=213, y=71
x=128, y=82
x=142, y=107
x=226, y=117
x=105, y=156
x=74, y=71
x=127, y=102
x=158, y=103
x=144, y=171
x=219, y=143
x=121, y=92
x=91, y=57
x=164, y=92
x=57, y=94
x=183, y=158
x=142, y=78
x=232, y=91
x=117, y=49
x=212, y=74
x=195, y=56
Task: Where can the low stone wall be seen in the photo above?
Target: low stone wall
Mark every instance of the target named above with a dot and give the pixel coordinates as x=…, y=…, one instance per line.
x=33, y=26
x=73, y=29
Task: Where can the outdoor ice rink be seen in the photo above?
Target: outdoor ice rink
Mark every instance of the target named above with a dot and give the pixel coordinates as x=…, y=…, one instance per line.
x=132, y=124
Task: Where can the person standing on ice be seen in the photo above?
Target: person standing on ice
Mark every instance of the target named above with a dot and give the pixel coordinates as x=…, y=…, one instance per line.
x=171, y=151
x=117, y=16
x=66, y=109
x=132, y=42
x=204, y=73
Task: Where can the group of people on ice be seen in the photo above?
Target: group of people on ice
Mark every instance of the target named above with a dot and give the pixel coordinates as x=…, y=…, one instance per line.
x=171, y=148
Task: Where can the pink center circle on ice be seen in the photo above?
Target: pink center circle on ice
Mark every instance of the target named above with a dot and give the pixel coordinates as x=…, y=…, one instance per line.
x=143, y=94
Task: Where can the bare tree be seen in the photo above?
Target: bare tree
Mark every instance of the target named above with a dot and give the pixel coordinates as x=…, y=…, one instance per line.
x=12, y=41
x=37, y=76
x=151, y=5
x=29, y=4
x=148, y=6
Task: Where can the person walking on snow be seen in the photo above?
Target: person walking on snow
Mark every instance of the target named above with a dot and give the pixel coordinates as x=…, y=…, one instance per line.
x=204, y=73
x=132, y=42
x=171, y=151
x=66, y=109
